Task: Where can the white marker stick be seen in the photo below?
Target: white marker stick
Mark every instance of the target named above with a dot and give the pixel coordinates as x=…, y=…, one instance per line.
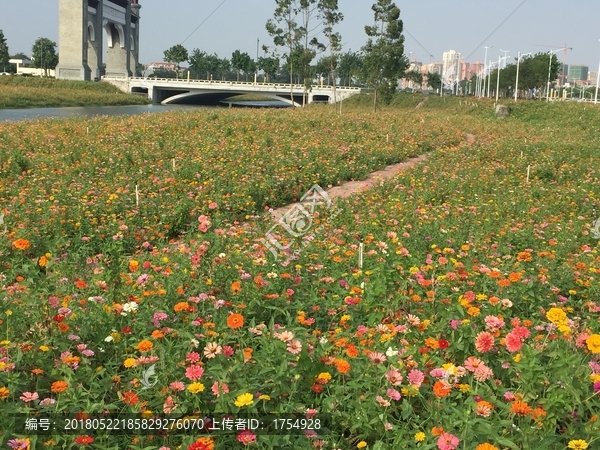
x=137, y=196
x=360, y=255
x=528, y=169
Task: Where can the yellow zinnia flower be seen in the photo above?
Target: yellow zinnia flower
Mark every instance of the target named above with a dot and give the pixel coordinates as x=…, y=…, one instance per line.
x=246, y=399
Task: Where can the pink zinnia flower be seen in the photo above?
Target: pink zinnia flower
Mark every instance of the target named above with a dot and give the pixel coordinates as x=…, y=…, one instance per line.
x=377, y=357
x=483, y=373
x=439, y=373
x=447, y=441
x=246, y=437
x=142, y=279
x=416, y=377
x=484, y=342
x=513, y=342
x=522, y=332
x=194, y=372
x=393, y=394
x=394, y=377
x=294, y=347
x=192, y=357
x=509, y=396
x=212, y=350
x=382, y=401
x=472, y=363
x=177, y=386
x=29, y=396
x=212, y=205
x=227, y=351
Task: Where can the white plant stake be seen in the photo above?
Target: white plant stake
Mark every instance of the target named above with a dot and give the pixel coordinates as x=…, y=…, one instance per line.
x=521, y=153
x=173, y=164
x=387, y=138
x=360, y=255
x=137, y=196
x=528, y=169
x=360, y=262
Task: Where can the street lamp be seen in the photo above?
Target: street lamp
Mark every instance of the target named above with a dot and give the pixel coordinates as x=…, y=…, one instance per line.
x=549, y=69
x=517, y=81
x=484, y=69
x=500, y=58
x=597, y=82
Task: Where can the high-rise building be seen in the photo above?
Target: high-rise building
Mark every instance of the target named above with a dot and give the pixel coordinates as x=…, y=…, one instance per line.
x=577, y=73
x=451, y=70
x=593, y=78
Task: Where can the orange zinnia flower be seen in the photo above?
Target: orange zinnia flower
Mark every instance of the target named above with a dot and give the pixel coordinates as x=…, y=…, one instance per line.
x=145, y=346
x=520, y=408
x=63, y=327
x=236, y=287
x=59, y=386
x=514, y=276
x=486, y=446
x=21, y=244
x=342, y=365
x=81, y=284
x=235, y=321
x=181, y=306
x=157, y=334
x=441, y=389
x=351, y=351
x=504, y=283
x=437, y=431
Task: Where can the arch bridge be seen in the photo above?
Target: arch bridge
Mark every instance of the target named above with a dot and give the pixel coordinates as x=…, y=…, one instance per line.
x=169, y=90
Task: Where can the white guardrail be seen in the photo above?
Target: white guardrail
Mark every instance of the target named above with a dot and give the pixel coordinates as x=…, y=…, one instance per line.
x=226, y=83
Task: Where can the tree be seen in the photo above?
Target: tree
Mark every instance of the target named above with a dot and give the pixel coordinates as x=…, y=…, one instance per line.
x=415, y=77
x=350, y=64
x=223, y=67
x=434, y=80
x=285, y=32
x=269, y=65
x=176, y=54
x=5, y=66
x=44, y=54
x=330, y=15
x=241, y=62
x=384, y=60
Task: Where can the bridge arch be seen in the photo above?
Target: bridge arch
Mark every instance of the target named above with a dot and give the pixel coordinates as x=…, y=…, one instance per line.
x=222, y=95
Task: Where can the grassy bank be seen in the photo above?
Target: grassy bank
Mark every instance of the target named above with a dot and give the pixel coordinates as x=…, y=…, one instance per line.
x=30, y=92
x=467, y=319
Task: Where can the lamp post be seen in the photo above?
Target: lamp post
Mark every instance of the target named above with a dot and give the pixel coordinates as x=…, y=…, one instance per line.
x=597, y=82
x=517, y=81
x=551, y=52
x=484, y=68
x=500, y=59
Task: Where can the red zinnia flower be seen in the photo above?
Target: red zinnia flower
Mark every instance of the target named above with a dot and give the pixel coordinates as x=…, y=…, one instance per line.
x=443, y=343
x=84, y=440
x=130, y=398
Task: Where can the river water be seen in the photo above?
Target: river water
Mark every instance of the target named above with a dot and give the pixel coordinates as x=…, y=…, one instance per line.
x=131, y=110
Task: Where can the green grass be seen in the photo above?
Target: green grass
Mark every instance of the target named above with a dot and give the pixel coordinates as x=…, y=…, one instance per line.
x=29, y=92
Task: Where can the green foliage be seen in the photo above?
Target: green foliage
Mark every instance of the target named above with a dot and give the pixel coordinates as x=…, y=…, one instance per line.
x=270, y=65
x=242, y=62
x=434, y=80
x=350, y=66
x=176, y=54
x=384, y=61
x=4, y=55
x=44, y=53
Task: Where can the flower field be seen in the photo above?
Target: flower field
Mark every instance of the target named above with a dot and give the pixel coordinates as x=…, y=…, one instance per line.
x=472, y=322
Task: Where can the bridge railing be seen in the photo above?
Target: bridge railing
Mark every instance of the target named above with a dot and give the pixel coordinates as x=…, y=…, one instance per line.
x=227, y=83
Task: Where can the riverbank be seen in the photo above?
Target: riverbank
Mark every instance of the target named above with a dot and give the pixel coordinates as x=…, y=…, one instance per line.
x=29, y=92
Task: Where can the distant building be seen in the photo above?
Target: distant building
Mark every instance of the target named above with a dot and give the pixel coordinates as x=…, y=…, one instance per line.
x=577, y=73
x=451, y=70
x=592, y=78
x=26, y=67
x=162, y=65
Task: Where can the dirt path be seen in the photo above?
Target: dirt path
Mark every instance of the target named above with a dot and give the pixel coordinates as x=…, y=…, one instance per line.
x=349, y=188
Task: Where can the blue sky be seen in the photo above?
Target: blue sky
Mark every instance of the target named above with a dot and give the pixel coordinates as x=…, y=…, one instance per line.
x=438, y=25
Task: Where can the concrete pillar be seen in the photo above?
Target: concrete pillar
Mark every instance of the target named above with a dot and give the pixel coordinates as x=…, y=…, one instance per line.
x=95, y=49
x=72, y=40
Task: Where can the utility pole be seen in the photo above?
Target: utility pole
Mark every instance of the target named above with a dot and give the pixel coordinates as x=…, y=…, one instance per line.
x=485, y=68
x=517, y=81
x=498, y=79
